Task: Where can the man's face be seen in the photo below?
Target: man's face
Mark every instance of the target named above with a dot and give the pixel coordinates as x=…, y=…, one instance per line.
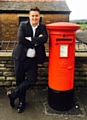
x=34, y=17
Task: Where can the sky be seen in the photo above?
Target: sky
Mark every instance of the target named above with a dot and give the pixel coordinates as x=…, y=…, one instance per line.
x=78, y=8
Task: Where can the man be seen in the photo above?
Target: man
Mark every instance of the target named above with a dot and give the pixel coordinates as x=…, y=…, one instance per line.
x=27, y=54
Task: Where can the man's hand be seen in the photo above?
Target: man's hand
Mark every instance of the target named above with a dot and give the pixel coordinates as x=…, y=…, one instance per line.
x=40, y=35
x=28, y=38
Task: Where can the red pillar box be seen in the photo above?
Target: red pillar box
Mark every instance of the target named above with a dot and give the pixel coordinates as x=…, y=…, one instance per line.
x=62, y=37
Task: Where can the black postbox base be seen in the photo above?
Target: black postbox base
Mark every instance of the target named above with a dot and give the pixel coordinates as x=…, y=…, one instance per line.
x=61, y=100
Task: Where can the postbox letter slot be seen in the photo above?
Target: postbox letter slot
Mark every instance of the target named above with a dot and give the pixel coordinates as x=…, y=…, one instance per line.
x=62, y=39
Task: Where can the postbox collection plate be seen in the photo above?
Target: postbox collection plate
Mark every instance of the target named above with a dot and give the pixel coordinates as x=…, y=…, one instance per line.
x=63, y=50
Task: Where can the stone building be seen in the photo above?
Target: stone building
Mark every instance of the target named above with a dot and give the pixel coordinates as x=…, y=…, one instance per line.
x=12, y=12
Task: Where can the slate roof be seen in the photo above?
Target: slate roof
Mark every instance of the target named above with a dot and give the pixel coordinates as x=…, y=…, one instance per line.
x=46, y=6
x=81, y=35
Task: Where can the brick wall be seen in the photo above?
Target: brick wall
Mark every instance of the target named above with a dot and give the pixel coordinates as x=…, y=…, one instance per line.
x=50, y=18
x=9, y=26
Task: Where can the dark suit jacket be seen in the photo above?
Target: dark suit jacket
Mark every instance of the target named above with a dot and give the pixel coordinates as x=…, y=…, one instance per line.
x=25, y=30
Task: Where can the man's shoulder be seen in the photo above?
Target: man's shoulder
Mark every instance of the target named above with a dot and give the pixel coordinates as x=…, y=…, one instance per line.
x=42, y=25
x=24, y=22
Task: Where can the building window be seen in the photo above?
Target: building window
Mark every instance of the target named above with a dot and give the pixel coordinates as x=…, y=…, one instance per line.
x=26, y=18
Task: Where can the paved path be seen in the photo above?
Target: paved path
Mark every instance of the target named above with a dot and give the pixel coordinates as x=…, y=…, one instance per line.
x=37, y=107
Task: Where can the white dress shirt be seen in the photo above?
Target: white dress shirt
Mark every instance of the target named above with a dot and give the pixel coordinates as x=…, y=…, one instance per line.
x=31, y=51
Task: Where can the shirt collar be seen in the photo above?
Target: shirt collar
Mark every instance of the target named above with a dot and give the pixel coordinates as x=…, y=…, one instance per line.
x=35, y=26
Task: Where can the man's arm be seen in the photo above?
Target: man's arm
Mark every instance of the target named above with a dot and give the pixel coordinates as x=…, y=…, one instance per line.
x=21, y=37
x=41, y=38
x=29, y=38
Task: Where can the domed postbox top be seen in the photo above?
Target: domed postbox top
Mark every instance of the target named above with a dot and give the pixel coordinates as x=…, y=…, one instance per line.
x=62, y=25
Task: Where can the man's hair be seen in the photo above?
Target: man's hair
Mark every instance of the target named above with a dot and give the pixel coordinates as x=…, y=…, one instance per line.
x=34, y=9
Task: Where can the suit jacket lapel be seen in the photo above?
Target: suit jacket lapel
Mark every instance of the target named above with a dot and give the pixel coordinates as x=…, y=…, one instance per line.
x=29, y=30
x=37, y=31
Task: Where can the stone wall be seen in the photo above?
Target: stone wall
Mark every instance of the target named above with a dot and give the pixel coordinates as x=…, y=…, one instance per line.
x=7, y=78
x=81, y=71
